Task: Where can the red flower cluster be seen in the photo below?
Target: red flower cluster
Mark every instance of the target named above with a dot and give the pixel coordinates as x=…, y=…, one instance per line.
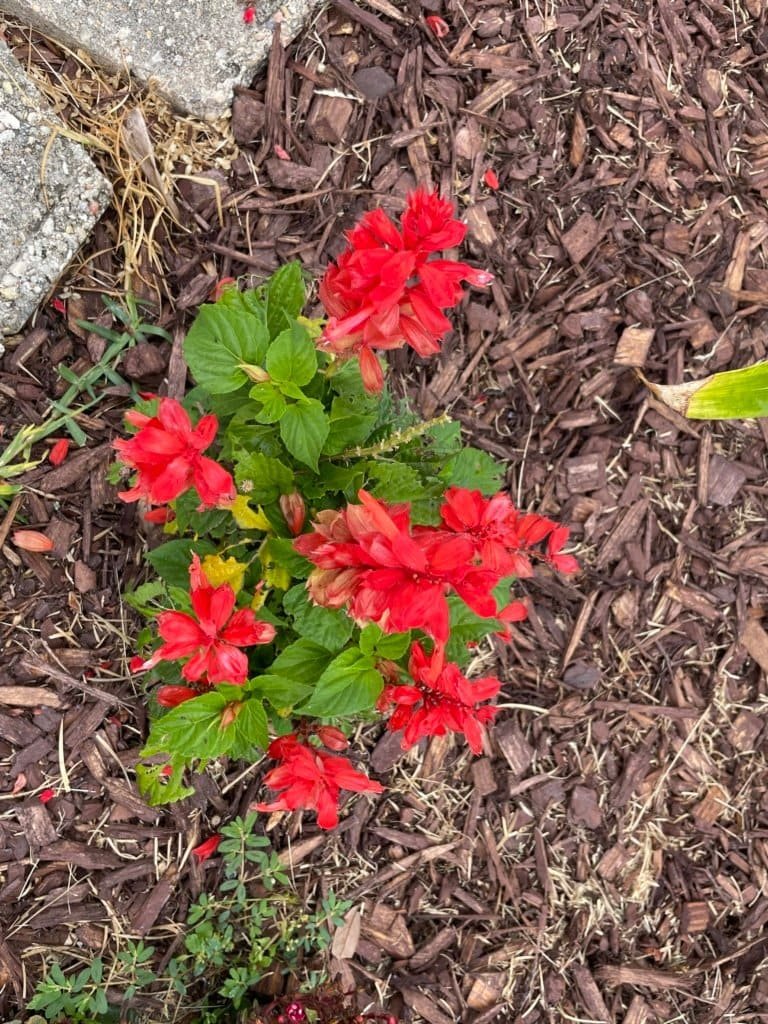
x=312, y=780
x=386, y=291
x=372, y=560
x=211, y=639
x=167, y=455
x=441, y=700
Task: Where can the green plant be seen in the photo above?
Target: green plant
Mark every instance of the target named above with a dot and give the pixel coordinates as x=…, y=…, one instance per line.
x=251, y=925
x=377, y=607
x=61, y=414
x=729, y=395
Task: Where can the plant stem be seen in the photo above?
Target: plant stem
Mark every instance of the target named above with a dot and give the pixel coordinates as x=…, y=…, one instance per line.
x=396, y=440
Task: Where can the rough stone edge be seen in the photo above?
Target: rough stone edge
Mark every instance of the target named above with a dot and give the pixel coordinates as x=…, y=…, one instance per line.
x=98, y=191
x=291, y=23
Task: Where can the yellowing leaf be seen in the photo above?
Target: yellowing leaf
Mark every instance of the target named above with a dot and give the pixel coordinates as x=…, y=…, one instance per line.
x=219, y=571
x=245, y=517
x=277, y=576
x=731, y=395
x=314, y=328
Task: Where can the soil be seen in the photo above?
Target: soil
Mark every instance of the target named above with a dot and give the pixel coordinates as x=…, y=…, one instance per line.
x=607, y=858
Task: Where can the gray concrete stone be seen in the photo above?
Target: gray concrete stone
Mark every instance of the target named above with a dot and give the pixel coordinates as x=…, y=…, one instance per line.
x=195, y=51
x=50, y=196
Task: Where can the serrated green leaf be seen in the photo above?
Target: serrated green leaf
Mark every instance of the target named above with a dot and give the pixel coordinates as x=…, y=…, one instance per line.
x=281, y=552
x=325, y=626
x=303, y=661
x=262, y=479
x=385, y=645
x=292, y=357
x=474, y=469
x=159, y=788
x=349, y=685
x=348, y=427
x=250, y=729
x=148, y=598
x=282, y=693
x=171, y=560
x=220, y=341
x=284, y=297
x=272, y=403
x=466, y=627
x=191, y=730
x=304, y=429
x=394, y=481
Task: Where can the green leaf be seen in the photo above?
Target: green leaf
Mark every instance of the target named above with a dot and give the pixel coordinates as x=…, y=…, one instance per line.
x=325, y=626
x=219, y=342
x=282, y=693
x=731, y=395
x=171, y=560
x=466, y=627
x=303, y=661
x=292, y=357
x=304, y=428
x=191, y=730
x=262, y=479
x=347, y=479
x=375, y=642
x=349, y=685
x=394, y=481
x=280, y=552
x=475, y=470
x=159, y=788
x=445, y=438
x=273, y=405
x=147, y=598
x=284, y=295
x=348, y=427
x=249, y=729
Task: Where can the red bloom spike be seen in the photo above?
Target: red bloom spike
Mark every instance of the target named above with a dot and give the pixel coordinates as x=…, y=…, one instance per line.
x=207, y=848
x=370, y=559
x=312, y=780
x=210, y=638
x=385, y=291
x=167, y=455
x=441, y=700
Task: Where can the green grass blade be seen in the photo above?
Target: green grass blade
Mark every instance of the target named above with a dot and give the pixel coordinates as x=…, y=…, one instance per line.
x=732, y=395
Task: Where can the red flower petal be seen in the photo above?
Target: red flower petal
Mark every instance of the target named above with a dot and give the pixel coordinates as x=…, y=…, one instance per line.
x=207, y=848
x=46, y=795
x=32, y=540
x=437, y=26
x=59, y=452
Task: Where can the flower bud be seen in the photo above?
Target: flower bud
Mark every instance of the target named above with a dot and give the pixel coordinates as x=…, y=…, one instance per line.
x=172, y=696
x=294, y=510
x=230, y=713
x=331, y=737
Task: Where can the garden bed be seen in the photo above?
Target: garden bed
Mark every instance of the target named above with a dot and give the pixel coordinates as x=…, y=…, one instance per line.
x=606, y=858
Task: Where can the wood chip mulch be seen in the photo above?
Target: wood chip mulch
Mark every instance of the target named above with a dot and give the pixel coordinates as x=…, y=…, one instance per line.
x=607, y=859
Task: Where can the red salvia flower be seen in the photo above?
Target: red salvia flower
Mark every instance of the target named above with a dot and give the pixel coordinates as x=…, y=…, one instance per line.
x=167, y=455
x=212, y=637
x=312, y=780
x=503, y=537
x=370, y=559
x=385, y=291
x=207, y=848
x=440, y=700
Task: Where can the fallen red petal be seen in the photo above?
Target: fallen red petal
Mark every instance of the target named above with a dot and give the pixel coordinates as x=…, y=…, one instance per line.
x=437, y=25
x=491, y=179
x=59, y=452
x=249, y=15
x=46, y=795
x=31, y=540
x=208, y=848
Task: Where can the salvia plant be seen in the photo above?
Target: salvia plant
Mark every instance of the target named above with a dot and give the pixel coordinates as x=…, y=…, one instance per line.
x=330, y=557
